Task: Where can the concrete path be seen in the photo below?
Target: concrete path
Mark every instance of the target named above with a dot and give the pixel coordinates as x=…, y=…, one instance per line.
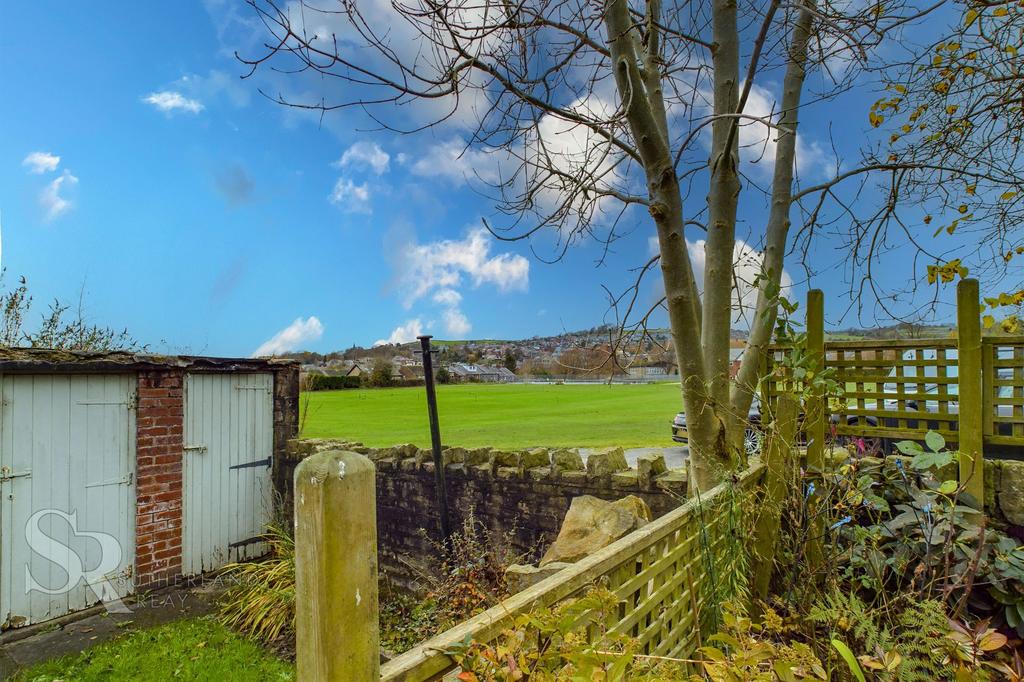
x=45, y=643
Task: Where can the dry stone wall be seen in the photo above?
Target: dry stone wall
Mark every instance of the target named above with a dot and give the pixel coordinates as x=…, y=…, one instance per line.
x=524, y=494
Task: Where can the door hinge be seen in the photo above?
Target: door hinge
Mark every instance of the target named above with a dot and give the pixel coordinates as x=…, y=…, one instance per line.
x=257, y=463
x=248, y=541
x=124, y=480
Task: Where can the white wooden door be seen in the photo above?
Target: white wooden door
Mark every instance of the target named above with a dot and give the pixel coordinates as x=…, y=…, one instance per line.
x=228, y=493
x=67, y=495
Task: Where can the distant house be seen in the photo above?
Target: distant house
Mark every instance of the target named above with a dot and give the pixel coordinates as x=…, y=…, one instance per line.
x=411, y=372
x=463, y=372
x=355, y=371
x=507, y=376
x=644, y=371
x=735, y=359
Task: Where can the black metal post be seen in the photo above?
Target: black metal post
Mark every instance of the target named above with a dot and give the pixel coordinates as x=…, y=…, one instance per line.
x=435, y=436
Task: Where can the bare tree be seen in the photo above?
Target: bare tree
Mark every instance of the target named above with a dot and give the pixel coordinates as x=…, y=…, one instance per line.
x=586, y=114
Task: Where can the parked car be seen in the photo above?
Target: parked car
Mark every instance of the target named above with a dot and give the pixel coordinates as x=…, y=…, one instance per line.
x=753, y=434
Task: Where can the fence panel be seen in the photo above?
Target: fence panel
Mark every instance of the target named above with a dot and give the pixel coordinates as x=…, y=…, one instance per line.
x=1003, y=390
x=661, y=572
x=896, y=389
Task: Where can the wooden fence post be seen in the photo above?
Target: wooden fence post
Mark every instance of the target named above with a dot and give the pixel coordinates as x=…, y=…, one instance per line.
x=971, y=427
x=814, y=417
x=778, y=461
x=336, y=628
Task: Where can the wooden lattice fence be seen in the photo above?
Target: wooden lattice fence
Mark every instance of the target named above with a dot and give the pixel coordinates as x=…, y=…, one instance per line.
x=666, y=575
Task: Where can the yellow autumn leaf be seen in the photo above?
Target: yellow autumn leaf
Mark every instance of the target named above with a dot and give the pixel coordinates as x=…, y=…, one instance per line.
x=971, y=189
x=906, y=129
x=1001, y=12
x=927, y=219
x=900, y=89
x=951, y=109
x=970, y=17
x=988, y=321
x=962, y=208
x=1006, y=196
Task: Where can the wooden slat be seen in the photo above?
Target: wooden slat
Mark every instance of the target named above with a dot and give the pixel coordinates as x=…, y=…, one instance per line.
x=642, y=568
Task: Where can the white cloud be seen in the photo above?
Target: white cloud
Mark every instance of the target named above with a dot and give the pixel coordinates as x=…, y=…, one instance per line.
x=747, y=266
x=169, y=101
x=41, y=162
x=452, y=161
x=351, y=197
x=442, y=264
x=758, y=142
x=403, y=333
x=53, y=203
x=290, y=338
x=456, y=323
x=365, y=155
x=448, y=297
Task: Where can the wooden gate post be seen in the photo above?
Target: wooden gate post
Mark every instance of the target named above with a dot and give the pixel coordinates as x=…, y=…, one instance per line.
x=778, y=462
x=972, y=459
x=814, y=418
x=336, y=628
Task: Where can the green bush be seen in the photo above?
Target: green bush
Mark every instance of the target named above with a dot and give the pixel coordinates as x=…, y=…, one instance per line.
x=326, y=382
x=261, y=601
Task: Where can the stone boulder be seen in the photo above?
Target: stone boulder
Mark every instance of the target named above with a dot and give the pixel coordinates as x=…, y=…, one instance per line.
x=518, y=577
x=606, y=461
x=592, y=524
x=1011, y=493
x=567, y=460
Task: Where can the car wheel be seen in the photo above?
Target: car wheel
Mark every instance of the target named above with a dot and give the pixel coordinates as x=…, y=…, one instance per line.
x=753, y=440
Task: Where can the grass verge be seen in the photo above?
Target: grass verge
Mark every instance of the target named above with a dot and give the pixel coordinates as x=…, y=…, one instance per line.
x=198, y=649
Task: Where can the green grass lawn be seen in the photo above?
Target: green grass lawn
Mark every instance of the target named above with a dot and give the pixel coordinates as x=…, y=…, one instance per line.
x=503, y=416
x=198, y=649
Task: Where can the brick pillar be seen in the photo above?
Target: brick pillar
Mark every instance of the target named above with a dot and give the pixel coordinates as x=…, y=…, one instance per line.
x=159, y=426
x=286, y=427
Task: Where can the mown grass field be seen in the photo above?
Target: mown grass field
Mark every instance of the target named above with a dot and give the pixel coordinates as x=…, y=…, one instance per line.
x=503, y=416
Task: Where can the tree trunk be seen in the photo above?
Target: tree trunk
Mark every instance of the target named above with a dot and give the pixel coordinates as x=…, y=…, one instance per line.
x=645, y=113
x=723, y=195
x=777, y=231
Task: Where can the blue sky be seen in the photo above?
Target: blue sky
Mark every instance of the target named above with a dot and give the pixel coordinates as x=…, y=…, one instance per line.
x=206, y=219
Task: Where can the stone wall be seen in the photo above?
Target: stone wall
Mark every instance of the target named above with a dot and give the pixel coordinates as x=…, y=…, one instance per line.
x=523, y=493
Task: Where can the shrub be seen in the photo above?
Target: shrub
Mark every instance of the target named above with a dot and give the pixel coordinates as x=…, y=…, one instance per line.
x=568, y=642
x=382, y=374
x=260, y=602
x=327, y=382
x=471, y=575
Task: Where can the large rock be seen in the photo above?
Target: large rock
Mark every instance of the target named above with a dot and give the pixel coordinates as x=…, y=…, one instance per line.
x=1011, y=492
x=592, y=523
x=567, y=460
x=606, y=461
x=520, y=576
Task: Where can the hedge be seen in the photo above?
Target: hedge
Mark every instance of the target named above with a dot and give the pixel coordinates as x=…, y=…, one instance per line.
x=327, y=382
